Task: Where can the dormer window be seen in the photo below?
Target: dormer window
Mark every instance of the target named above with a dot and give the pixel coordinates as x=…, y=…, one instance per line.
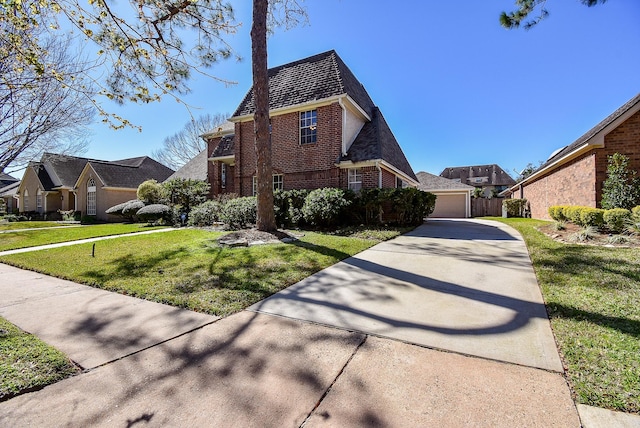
x=308, y=126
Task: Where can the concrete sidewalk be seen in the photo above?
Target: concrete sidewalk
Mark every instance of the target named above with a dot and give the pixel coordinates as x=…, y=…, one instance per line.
x=155, y=365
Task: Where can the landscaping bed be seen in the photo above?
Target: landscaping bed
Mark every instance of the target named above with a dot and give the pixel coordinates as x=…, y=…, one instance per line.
x=574, y=234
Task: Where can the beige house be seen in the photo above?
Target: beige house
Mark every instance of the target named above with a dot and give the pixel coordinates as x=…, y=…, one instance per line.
x=453, y=198
x=89, y=186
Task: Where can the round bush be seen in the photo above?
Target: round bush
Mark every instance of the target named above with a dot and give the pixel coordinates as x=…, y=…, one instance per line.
x=205, y=214
x=322, y=207
x=131, y=208
x=238, y=213
x=150, y=192
x=593, y=217
x=616, y=219
x=153, y=212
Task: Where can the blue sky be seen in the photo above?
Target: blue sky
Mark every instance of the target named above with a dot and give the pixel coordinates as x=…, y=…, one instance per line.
x=455, y=87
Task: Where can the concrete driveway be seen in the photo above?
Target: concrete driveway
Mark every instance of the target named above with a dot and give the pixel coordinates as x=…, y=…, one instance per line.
x=459, y=285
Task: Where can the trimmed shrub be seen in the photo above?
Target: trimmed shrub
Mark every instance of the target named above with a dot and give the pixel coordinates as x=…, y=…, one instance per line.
x=117, y=209
x=573, y=213
x=515, y=207
x=154, y=212
x=323, y=207
x=592, y=217
x=186, y=192
x=151, y=192
x=205, y=214
x=635, y=212
x=616, y=219
x=238, y=213
x=131, y=208
x=410, y=206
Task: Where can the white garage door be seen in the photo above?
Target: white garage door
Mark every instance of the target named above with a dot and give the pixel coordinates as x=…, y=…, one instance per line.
x=450, y=206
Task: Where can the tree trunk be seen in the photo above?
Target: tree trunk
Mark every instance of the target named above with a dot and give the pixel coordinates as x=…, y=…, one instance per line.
x=266, y=220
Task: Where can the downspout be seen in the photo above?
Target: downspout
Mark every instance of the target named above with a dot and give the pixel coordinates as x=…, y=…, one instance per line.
x=379, y=174
x=343, y=130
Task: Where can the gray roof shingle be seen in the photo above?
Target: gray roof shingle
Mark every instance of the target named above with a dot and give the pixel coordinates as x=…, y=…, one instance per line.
x=430, y=182
x=376, y=141
x=496, y=175
x=195, y=169
x=225, y=147
x=310, y=79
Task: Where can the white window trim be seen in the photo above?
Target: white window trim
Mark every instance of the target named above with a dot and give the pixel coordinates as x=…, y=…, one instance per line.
x=280, y=183
x=354, y=179
x=310, y=123
x=92, y=199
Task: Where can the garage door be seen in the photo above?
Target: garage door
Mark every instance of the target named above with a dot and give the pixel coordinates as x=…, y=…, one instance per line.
x=450, y=206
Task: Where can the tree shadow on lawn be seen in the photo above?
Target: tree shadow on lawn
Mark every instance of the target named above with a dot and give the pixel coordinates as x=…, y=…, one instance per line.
x=623, y=325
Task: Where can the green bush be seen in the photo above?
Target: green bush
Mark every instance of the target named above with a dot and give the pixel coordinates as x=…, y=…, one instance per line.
x=410, y=206
x=151, y=192
x=573, y=213
x=238, y=213
x=635, y=212
x=557, y=212
x=89, y=219
x=323, y=207
x=515, y=207
x=186, y=192
x=131, y=208
x=205, y=214
x=288, y=207
x=616, y=219
x=621, y=189
x=154, y=212
x=11, y=218
x=592, y=217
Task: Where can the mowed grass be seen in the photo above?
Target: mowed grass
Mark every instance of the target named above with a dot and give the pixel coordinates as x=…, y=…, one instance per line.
x=593, y=300
x=35, y=237
x=27, y=363
x=32, y=225
x=188, y=269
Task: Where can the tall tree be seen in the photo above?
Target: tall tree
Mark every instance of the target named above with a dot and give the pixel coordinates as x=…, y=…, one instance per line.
x=621, y=188
x=40, y=111
x=266, y=16
x=525, y=8
x=184, y=145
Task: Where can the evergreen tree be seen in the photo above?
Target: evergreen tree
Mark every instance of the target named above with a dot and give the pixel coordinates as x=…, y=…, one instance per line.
x=621, y=189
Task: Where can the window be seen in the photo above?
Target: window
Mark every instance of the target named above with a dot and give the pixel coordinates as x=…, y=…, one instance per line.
x=400, y=183
x=39, y=200
x=91, y=197
x=278, y=183
x=355, y=179
x=223, y=175
x=25, y=200
x=308, y=125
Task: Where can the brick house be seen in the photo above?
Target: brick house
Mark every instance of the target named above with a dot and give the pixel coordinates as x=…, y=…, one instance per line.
x=325, y=132
x=60, y=182
x=574, y=174
x=490, y=178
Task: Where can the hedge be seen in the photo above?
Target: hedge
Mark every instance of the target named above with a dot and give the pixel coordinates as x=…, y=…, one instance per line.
x=514, y=207
x=616, y=219
x=205, y=214
x=240, y=212
x=322, y=207
x=153, y=212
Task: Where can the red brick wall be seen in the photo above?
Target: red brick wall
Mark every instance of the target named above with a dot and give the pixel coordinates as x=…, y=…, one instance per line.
x=305, y=166
x=625, y=139
x=388, y=179
x=573, y=184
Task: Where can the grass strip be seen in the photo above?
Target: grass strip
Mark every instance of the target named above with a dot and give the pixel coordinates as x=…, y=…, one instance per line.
x=188, y=269
x=27, y=363
x=592, y=295
x=35, y=237
x=32, y=225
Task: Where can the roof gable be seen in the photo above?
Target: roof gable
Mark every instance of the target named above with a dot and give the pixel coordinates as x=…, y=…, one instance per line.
x=130, y=173
x=195, y=169
x=376, y=142
x=310, y=79
x=225, y=147
x=430, y=182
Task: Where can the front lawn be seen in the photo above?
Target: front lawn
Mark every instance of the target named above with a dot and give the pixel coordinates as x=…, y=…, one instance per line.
x=15, y=225
x=188, y=269
x=27, y=363
x=35, y=237
x=592, y=295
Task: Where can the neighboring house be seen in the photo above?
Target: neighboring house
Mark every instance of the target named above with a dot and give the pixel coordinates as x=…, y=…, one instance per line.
x=453, y=197
x=325, y=132
x=8, y=188
x=60, y=182
x=490, y=178
x=574, y=174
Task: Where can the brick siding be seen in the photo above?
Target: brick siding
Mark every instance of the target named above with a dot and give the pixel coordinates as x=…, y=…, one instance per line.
x=580, y=181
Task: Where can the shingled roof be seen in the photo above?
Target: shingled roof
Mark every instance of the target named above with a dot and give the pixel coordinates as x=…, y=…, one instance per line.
x=376, y=141
x=130, y=173
x=310, y=79
x=430, y=182
x=6, y=179
x=224, y=148
x=55, y=170
x=195, y=169
x=496, y=175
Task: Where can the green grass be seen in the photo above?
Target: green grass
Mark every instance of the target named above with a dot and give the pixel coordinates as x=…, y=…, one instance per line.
x=27, y=363
x=35, y=237
x=186, y=268
x=593, y=300
x=31, y=225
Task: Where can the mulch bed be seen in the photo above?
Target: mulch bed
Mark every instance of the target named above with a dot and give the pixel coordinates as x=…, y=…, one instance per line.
x=243, y=238
x=600, y=239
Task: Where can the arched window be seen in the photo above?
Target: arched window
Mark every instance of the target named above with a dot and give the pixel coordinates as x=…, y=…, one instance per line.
x=91, y=197
x=39, y=200
x=25, y=200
